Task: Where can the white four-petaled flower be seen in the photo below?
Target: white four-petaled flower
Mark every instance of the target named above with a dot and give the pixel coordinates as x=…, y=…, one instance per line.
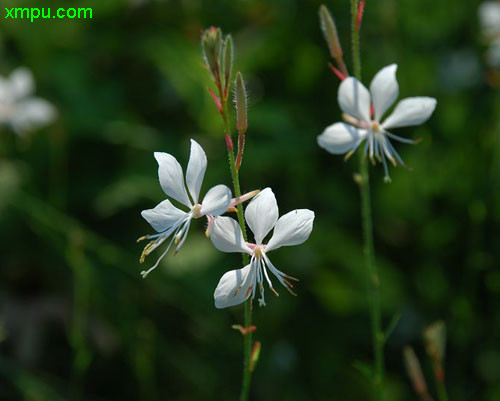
x=366, y=122
x=18, y=107
x=489, y=21
x=169, y=220
x=261, y=215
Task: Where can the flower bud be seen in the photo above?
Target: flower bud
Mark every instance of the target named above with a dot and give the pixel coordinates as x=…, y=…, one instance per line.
x=414, y=371
x=241, y=104
x=330, y=32
x=435, y=341
x=254, y=356
x=211, y=43
x=227, y=62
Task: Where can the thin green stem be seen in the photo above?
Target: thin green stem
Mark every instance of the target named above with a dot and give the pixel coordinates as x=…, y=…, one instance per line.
x=356, y=58
x=441, y=390
x=368, y=248
x=373, y=280
x=247, y=338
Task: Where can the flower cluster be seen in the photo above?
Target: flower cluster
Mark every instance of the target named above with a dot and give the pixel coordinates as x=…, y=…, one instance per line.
x=171, y=222
x=18, y=107
x=363, y=111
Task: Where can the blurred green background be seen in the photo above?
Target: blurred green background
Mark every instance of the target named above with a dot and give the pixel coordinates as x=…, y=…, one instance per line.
x=77, y=321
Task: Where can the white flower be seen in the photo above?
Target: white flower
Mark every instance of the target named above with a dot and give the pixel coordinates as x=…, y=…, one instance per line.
x=261, y=215
x=18, y=107
x=489, y=19
x=356, y=102
x=169, y=220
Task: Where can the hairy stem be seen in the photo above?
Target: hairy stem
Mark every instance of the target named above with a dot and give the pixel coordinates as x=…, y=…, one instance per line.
x=368, y=248
x=247, y=339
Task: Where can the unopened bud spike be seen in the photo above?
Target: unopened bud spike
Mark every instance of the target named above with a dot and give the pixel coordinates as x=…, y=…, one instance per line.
x=330, y=32
x=241, y=104
x=227, y=63
x=254, y=356
x=241, y=116
x=211, y=43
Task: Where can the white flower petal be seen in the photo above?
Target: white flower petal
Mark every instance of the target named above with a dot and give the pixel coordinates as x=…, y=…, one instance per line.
x=292, y=228
x=172, y=178
x=234, y=287
x=384, y=90
x=261, y=214
x=216, y=201
x=354, y=99
x=21, y=82
x=31, y=113
x=489, y=18
x=341, y=138
x=195, y=170
x=226, y=235
x=163, y=216
x=410, y=111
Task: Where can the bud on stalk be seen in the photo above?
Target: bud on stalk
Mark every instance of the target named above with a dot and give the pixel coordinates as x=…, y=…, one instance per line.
x=330, y=32
x=415, y=374
x=211, y=43
x=254, y=356
x=332, y=38
x=435, y=345
x=227, y=63
x=241, y=104
x=241, y=116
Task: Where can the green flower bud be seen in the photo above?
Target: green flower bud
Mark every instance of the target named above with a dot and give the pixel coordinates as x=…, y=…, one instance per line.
x=227, y=61
x=241, y=104
x=211, y=43
x=330, y=32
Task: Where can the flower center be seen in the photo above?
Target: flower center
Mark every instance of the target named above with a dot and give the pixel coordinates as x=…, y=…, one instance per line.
x=258, y=251
x=375, y=126
x=196, y=211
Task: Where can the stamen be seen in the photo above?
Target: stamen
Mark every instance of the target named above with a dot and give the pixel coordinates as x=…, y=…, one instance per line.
x=263, y=266
x=155, y=245
x=401, y=139
x=349, y=154
x=186, y=231
x=387, y=178
x=395, y=153
x=282, y=277
x=262, y=301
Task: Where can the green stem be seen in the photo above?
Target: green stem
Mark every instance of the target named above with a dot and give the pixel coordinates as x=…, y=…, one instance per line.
x=441, y=390
x=247, y=339
x=373, y=280
x=368, y=248
x=356, y=59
